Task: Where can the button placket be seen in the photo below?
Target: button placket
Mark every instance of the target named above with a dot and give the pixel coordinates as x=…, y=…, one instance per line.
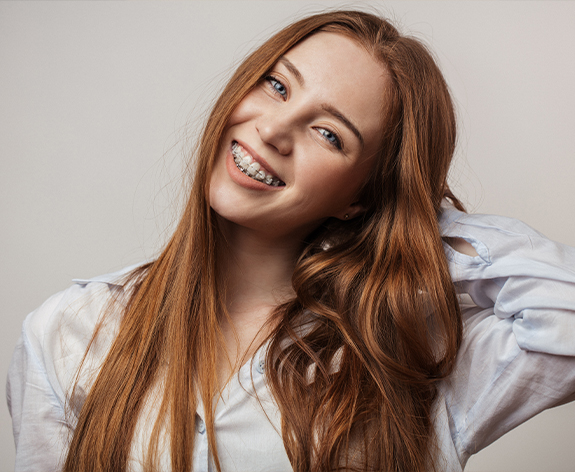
x=201, y=449
x=201, y=426
x=261, y=366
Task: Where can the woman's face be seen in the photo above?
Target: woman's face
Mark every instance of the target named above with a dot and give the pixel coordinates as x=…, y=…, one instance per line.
x=299, y=146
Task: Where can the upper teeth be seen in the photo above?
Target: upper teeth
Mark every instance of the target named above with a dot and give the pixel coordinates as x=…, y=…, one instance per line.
x=248, y=166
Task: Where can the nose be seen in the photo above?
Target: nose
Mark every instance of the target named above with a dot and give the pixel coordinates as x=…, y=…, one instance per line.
x=277, y=130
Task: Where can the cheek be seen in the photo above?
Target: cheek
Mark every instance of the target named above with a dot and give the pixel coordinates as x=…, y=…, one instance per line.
x=245, y=110
x=338, y=186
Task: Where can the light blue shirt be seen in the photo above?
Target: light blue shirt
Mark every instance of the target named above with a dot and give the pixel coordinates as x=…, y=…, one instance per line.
x=517, y=358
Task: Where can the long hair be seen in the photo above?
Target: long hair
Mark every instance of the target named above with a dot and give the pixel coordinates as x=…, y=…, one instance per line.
x=381, y=315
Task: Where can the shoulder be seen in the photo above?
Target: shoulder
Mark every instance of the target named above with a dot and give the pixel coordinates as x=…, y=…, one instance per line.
x=79, y=306
x=56, y=335
x=501, y=246
x=475, y=226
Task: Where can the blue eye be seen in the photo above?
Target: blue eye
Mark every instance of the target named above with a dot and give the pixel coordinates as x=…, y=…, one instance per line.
x=277, y=86
x=330, y=137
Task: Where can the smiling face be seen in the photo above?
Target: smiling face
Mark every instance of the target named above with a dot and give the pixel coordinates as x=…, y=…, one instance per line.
x=300, y=145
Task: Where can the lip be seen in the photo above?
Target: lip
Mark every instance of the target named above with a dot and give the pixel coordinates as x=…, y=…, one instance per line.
x=242, y=179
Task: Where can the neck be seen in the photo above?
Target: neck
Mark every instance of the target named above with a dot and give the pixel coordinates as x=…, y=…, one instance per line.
x=254, y=269
x=255, y=273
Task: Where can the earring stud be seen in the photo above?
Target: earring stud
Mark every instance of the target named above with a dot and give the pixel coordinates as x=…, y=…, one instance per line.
x=346, y=217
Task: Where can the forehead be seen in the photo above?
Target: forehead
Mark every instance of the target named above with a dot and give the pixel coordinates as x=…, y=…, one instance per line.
x=338, y=70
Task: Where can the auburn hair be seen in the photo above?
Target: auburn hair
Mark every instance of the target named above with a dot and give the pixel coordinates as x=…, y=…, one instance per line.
x=381, y=319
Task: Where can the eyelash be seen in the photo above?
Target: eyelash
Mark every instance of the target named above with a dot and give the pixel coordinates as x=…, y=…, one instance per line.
x=336, y=143
x=275, y=85
x=273, y=82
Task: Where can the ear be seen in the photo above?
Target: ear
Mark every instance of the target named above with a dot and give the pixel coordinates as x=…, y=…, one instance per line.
x=352, y=211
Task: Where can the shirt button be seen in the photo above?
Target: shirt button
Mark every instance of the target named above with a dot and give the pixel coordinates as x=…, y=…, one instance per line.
x=260, y=367
x=201, y=426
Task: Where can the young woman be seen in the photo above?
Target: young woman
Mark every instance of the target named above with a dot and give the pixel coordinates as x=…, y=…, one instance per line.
x=324, y=303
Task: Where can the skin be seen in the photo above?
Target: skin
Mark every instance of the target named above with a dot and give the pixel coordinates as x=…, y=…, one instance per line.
x=295, y=122
x=285, y=123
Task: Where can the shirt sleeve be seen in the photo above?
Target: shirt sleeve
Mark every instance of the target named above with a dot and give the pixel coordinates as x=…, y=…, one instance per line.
x=518, y=306
x=44, y=368
x=38, y=418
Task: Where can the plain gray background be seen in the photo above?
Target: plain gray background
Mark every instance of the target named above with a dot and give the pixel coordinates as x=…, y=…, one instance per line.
x=99, y=102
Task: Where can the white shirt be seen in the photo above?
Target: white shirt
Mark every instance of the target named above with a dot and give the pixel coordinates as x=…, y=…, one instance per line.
x=517, y=358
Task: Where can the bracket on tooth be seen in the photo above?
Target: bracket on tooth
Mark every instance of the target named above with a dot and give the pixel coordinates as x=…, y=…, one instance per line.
x=253, y=169
x=246, y=164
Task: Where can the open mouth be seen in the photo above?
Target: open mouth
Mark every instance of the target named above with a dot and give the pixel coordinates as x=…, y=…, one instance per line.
x=248, y=165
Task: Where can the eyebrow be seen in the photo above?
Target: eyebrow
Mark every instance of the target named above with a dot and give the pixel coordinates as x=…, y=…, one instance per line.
x=327, y=108
x=341, y=117
x=293, y=69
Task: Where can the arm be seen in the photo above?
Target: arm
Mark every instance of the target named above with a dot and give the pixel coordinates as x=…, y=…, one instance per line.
x=43, y=370
x=518, y=307
x=38, y=420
